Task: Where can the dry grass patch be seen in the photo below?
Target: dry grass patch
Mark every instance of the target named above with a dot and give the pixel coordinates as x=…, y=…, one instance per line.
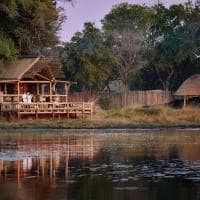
x=157, y=115
x=118, y=118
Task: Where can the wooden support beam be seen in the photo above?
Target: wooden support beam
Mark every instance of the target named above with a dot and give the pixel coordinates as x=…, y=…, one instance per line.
x=18, y=91
x=41, y=76
x=5, y=88
x=35, y=81
x=18, y=172
x=66, y=91
x=8, y=81
x=18, y=115
x=185, y=101
x=38, y=89
x=54, y=87
x=50, y=85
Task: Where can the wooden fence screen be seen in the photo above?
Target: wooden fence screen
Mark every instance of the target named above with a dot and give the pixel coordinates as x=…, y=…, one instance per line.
x=134, y=98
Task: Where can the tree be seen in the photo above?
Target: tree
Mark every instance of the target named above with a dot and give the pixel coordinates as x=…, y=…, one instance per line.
x=127, y=54
x=7, y=50
x=170, y=54
x=31, y=24
x=171, y=42
x=127, y=17
x=86, y=59
x=126, y=28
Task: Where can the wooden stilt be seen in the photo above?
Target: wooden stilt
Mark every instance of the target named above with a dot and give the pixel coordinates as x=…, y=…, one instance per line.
x=18, y=115
x=5, y=88
x=53, y=115
x=18, y=91
x=18, y=172
x=43, y=167
x=82, y=114
x=51, y=166
x=1, y=115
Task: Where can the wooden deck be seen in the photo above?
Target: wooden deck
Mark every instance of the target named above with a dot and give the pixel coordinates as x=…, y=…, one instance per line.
x=66, y=109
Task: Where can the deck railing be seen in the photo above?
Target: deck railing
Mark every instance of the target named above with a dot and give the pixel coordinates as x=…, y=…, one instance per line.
x=40, y=98
x=46, y=107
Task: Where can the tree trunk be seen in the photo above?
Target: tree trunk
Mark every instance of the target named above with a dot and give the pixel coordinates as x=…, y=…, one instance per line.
x=124, y=96
x=166, y=85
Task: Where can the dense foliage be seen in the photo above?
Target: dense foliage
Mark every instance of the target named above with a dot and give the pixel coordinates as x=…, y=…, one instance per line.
x=144, y=47
x=27, y=26
x=148, y=47
x=86, y=59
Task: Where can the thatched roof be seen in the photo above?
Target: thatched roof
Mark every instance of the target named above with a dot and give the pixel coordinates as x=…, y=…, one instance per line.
x=190, y=87
x=29, y=67
x=15, y=69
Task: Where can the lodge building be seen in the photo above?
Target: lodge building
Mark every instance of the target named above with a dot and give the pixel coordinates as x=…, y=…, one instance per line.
x=44, y=79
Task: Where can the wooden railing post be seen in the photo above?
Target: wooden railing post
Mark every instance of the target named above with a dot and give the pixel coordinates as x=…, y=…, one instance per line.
x=18, y=91
x=50, y=92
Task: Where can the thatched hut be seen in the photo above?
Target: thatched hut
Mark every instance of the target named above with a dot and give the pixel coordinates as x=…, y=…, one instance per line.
x=189, y=88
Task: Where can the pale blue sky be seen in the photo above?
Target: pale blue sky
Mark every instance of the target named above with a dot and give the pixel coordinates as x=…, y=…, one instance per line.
x=95, y=10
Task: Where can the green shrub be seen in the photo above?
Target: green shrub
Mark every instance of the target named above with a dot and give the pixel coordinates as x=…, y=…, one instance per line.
x=105, y=103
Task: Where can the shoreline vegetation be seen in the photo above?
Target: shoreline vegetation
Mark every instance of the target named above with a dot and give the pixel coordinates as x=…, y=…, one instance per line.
x=130, y=118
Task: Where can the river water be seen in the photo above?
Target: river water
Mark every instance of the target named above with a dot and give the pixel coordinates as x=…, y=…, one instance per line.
x=98, y=165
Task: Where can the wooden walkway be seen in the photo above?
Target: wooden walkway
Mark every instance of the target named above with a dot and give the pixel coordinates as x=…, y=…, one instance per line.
x=67, y=109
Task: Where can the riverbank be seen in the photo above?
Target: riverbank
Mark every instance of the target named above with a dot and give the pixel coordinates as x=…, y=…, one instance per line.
x=132, y=118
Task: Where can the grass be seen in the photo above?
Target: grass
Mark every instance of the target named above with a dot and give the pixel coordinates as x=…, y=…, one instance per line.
x=157, y=115
x=131, y=117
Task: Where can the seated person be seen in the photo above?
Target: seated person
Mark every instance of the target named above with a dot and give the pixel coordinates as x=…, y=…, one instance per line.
x=24, y=98
x=56, y=102
x=29, y=97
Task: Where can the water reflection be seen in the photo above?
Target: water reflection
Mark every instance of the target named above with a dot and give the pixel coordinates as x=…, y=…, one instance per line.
x=98, y=166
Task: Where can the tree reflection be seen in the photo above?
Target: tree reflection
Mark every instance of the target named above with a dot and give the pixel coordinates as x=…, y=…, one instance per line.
x=96, y=166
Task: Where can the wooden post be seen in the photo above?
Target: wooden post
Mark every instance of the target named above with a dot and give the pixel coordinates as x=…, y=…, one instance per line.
x=185, y=101
x=38, y=89
x=83, y=110
x=5, y=88
x=67, y=164
x=50, y=92
x=54, y=87
x=51, y=166
x=18, y=91
x=36, y=114
x=18, y=173
x=68, y=114
x=53, y=115
x=18, y=115
x=66, y=92
x=91, y=110
x=43, y=166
